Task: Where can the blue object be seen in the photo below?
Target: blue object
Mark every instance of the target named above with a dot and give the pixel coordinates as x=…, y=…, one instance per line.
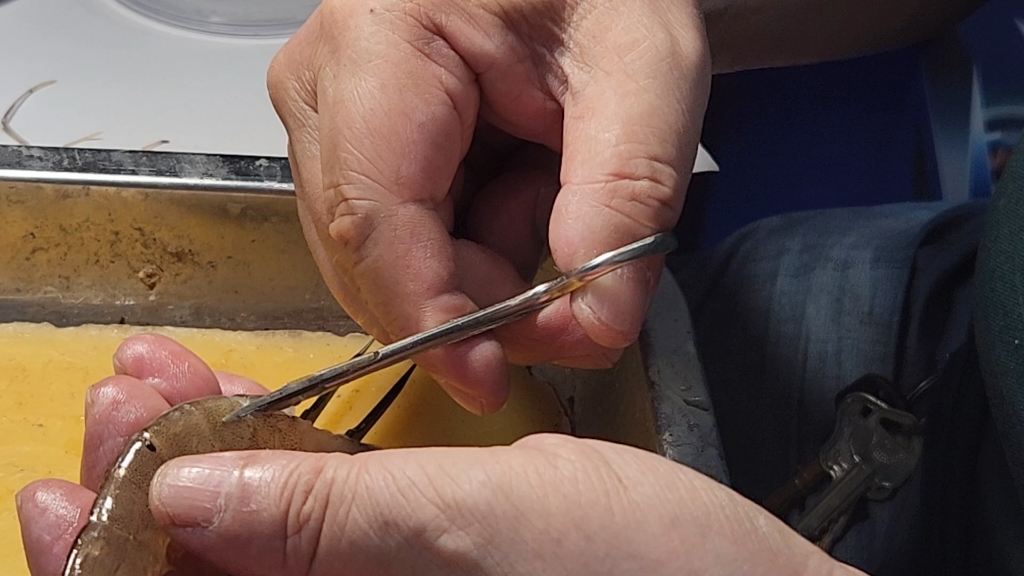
x=914, y=124
x=849, y=133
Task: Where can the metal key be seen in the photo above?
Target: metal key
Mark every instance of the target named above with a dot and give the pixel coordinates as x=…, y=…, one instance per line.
x=810, y=476
x=873, y=450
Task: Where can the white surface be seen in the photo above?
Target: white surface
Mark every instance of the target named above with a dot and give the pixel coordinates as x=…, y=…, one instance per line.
x=138, y=81
x=134, y=81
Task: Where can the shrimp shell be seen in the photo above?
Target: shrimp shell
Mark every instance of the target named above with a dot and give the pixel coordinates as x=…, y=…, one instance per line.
x=122, y=538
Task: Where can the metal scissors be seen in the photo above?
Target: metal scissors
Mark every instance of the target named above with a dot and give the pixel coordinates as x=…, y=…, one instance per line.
x=458, y=329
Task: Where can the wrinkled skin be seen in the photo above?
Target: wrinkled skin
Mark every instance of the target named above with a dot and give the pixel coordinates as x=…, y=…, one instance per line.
x=122, y=537
x=152, y=374
x=439, y=147
x=546, y=505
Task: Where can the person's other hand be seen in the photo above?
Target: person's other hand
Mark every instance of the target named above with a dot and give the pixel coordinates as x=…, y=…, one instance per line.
x=152, y=374
x=546, y=505
x=439, y=147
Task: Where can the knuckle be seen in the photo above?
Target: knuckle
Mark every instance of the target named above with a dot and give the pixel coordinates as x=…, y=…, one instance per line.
x=645, y=192
x=291, y=88
x=572, y=455
x=646, y=206
x=432, y=520
x=693, y=60
x=554, y=444
x=335, y=509
x=687, y=52
x=590, y=464
x=692, y=45
x=312, y=491
x=278, y=76
x=291, y=78
x=353, y=222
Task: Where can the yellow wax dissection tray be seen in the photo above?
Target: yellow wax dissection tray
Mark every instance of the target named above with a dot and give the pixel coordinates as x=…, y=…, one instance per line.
x=45, y=371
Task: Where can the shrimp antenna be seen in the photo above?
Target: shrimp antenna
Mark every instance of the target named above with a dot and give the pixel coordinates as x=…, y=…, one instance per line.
x=358, y=432
x=5, y=123
x=317, y=407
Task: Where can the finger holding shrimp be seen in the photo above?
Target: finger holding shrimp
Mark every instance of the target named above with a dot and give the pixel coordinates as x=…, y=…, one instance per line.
x=233, y=384
x=152, y=373
x=115, y=408
x=174, y=370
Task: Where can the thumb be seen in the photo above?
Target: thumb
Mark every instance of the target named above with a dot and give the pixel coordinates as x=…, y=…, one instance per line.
x=547, y=505
x=632, y=123
x=291, y=513
x=425, y=511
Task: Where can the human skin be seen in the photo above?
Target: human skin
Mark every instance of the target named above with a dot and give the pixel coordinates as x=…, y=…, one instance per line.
x=546, y=505
x=441, y=147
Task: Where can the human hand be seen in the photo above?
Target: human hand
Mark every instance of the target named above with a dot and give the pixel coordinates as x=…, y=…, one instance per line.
x=152, y=374
x=424, y=139
x=546, y=505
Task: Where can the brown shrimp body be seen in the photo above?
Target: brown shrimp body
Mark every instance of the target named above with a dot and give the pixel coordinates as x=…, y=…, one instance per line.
x=122, y=537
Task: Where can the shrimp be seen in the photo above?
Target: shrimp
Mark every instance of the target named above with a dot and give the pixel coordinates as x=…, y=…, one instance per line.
x=122, y=537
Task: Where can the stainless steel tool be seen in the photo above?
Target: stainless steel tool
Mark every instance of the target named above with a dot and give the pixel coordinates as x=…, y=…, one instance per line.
x=458, y=329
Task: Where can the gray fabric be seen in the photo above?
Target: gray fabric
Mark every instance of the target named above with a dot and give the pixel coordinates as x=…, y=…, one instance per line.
x=788, y=312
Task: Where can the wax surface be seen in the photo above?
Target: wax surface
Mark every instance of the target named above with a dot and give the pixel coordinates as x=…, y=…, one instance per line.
x=45, y=371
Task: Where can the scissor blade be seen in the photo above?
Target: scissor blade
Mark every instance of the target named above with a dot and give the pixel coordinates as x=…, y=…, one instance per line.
x=296, y=391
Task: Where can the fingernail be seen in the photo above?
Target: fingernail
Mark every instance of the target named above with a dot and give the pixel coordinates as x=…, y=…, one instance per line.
x=465, y=398
x=469, y=401
x=118, y=367
x=611, y=357
x=190, y=491
x=612, y=309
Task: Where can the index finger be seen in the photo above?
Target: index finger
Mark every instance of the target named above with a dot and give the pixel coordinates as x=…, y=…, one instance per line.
x=625, y=167
x=154, y=374
x=395, y=108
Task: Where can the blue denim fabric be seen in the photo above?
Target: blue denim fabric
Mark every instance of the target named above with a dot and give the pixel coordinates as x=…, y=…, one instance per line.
x=790, y=310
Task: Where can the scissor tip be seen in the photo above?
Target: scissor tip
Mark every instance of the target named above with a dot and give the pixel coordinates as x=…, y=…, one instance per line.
x=233, y=416
x=242, y=412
